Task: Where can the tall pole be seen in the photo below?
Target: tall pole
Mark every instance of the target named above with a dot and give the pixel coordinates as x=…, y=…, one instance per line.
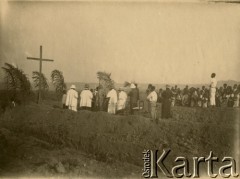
x=40, y=71
x=40, y=61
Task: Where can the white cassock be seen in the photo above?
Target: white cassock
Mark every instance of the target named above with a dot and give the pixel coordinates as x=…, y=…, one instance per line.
x=86, y=98
x=152, y=97
x=112, y=94
x=71, y=101
x=213, y=86
x=122, y=98
x=236, y=101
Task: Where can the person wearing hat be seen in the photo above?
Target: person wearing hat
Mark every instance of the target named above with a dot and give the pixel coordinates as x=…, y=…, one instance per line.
x=112, y=103
x=72, y=98
x=166, y=103
x=134, y=97
x=86, y=98
x=122, y=99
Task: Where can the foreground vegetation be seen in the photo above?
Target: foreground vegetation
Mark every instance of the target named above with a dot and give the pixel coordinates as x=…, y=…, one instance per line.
x=109, y=138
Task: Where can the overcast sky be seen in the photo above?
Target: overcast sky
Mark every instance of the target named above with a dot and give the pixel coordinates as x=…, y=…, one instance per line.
x=140, y=41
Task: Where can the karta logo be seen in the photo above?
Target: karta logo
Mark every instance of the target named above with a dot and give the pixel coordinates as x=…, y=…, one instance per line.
x=152, y=163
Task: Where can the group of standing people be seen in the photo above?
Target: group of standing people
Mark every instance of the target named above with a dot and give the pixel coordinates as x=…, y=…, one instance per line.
x=89, y=100
x=223, y=96
x=70, y=99
x=152, y=98
x=114, y=102
x=168, y=97
x=117, y=102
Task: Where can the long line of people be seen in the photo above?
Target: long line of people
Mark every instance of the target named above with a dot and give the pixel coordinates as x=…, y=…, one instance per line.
x=89, y=100
x=122, y=100
x=117, y=102
x=226, y=96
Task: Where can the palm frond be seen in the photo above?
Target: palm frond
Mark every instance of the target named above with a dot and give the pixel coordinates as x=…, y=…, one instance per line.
x=10, y=79
x=16, y=80
x=103, y=75
x=40, y=81
x=58, y=82
x=105, y=80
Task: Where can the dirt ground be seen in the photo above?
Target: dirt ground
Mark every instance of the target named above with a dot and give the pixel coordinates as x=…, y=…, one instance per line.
x=44, y=140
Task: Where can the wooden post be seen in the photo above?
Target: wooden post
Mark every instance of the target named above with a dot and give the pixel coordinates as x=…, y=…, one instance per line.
x=40, y=70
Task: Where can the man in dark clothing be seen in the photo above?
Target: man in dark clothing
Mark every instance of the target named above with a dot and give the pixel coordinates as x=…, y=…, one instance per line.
x=134, y=97
x=160, y=95
x=136, y=85
x=64, y=97
x=186, y=90
x=225, y=88
x=148, y=91
x=186, y=96
x=230, y=96
x=166, y=103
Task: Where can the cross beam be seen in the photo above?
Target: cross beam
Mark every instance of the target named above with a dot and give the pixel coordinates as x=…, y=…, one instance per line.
x=40, y=59
x=40, y=69
x=33, y=58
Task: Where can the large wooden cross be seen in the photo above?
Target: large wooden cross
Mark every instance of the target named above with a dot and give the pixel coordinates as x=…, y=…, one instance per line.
x=40, y=69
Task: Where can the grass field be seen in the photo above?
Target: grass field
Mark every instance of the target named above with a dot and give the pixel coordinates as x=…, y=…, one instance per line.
x=45, y=140
x=40, y=136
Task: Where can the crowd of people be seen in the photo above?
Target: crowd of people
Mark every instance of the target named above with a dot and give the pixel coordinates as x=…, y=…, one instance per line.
x=114, y=102
x=225, y=96
x=118, y=102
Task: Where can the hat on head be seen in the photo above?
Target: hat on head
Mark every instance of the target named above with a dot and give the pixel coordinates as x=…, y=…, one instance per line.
x=167, y=86
x=132, y=85
x=73, y=87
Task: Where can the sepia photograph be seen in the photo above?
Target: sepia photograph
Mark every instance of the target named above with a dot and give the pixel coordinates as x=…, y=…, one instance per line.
x=119, y=89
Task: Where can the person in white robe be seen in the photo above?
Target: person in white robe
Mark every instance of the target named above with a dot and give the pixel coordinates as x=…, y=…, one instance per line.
x=72, y=98
x=122, y=99
x=86, y=98
x=152, y=98
x=112, y=104
x=213, y=85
